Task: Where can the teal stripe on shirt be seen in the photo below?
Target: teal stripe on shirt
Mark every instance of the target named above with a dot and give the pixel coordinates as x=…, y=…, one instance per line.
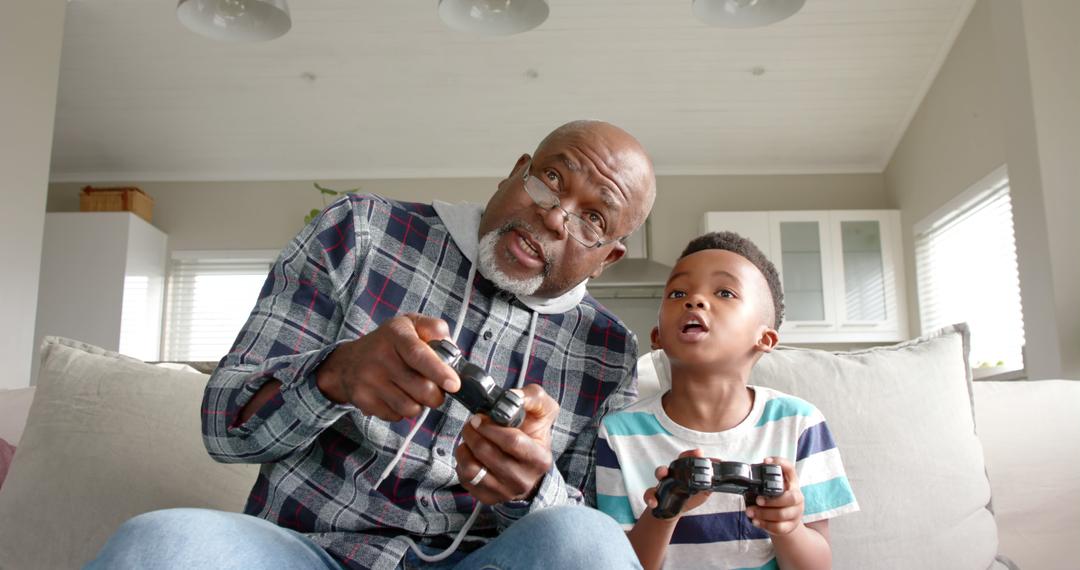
x=770, y=565
x=780, y=408
x=617, y=507
x=633, y=423
x=827, y=495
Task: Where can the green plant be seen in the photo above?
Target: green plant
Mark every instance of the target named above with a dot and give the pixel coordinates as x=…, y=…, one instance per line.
x=324, y=192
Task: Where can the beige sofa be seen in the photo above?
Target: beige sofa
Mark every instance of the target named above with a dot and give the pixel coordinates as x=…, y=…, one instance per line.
x=109, y=437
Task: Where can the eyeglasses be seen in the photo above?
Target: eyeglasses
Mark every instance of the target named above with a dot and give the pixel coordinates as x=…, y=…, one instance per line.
x=587, y=233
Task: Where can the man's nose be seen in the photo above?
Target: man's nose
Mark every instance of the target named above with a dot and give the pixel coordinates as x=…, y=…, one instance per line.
x=555, y=220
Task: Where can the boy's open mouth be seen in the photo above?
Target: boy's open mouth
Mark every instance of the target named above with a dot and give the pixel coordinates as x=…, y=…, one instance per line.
x=693, y=324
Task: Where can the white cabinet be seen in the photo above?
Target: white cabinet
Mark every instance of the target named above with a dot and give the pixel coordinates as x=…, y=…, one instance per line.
x=842, y=270
x=102, y=281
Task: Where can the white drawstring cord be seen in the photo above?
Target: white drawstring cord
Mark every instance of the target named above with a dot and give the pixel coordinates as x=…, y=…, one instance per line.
x=423, y=415
x=476, y=510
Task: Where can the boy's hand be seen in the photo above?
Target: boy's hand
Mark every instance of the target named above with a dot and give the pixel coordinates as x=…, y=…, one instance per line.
x=692, y=503
x=783, y=514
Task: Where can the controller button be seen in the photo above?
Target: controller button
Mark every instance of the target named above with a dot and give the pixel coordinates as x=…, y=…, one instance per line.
x=424, y=501
x=440, y=452
x=487, y=334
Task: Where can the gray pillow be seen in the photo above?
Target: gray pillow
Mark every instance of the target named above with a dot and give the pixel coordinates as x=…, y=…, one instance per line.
x=108, y=437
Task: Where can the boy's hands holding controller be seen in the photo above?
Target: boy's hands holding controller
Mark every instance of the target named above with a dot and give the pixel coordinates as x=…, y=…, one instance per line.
x=695, y=500
x=783, y=514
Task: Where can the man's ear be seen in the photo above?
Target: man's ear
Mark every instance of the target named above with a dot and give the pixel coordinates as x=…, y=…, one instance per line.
x=517, y=166
x=654, y=338
x=767, y=340
x=614, y=255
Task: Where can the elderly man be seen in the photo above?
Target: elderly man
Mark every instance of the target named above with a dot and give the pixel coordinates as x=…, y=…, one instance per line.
x=333, y=388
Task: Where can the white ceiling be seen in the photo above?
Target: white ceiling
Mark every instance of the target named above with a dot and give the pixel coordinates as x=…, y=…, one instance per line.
x=379, y=88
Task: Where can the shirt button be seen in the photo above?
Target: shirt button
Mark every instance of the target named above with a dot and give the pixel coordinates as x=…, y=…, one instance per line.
x=487, y=335
x=424, y=501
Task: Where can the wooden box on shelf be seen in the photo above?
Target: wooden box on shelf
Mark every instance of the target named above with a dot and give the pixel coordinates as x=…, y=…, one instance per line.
x=120, y=199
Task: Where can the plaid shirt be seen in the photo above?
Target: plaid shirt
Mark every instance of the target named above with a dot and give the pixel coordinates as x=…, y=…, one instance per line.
x=363, y=261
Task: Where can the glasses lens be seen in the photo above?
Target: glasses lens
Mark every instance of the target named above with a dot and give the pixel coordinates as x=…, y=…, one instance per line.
x=581, y=230
x=542, y=195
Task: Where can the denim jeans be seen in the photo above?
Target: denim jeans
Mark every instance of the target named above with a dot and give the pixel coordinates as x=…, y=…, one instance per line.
x=559, y=537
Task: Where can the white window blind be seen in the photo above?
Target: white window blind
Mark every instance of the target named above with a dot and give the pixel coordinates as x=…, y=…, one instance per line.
x=210, y=295
x=967, y=272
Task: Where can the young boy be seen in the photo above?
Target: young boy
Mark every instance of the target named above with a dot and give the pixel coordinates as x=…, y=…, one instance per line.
x=721, y=308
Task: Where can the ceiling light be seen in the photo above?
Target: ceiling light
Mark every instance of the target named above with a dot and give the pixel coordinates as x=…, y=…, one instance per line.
x=235, y=20
x=744, y=13
x=493, y=17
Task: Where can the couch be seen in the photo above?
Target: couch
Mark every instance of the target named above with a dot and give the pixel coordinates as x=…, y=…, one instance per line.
x=948, y=473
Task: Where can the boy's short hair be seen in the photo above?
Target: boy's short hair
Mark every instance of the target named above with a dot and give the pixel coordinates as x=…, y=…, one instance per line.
x=733, y=242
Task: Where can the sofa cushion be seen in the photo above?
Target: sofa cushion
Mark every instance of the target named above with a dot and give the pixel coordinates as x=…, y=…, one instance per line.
x=108, y=437
x=902, y=417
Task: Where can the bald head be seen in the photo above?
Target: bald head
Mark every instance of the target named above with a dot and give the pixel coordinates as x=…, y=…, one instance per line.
x=627, y=159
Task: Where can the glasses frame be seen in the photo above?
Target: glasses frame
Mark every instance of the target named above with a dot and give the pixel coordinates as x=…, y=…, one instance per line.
x=552, y=201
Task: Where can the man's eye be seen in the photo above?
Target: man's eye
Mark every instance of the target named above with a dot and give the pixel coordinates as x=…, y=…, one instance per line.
x=553, y=178
x=596, y=220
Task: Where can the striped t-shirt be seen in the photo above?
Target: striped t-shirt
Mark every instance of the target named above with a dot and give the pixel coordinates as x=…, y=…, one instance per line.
x=633, y=442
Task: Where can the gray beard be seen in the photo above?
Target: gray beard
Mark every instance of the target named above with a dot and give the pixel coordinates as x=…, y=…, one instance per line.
x=489, y=267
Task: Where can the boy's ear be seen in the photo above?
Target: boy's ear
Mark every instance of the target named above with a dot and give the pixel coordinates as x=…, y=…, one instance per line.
x=654, y=338
x=767, y=340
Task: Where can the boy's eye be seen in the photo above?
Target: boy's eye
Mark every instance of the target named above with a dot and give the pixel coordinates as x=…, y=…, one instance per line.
x=676, y=295
x=726, y=293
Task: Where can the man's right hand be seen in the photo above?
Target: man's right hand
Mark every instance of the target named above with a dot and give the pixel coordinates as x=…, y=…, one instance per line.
x=391, y=372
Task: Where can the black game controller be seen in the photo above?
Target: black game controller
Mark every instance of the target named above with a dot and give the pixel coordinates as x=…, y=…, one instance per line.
x=478, y=392
x=691, y=475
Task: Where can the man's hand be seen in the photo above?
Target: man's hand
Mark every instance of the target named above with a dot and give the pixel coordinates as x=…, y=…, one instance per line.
x=391, y=372
x=695, y=500
x=516, y=459
x=779, y=515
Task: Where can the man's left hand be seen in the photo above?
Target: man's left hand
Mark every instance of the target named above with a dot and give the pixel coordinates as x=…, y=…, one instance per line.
x=516, y=459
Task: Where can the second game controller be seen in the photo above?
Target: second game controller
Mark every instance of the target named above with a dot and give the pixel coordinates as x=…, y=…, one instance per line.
x=691, y=475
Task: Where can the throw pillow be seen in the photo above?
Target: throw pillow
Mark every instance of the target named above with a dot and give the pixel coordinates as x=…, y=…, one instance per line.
x=903, y=419
x=108, y=437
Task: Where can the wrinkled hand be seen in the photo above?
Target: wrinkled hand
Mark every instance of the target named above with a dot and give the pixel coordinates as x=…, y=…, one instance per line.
x=695, y=500
x=783, y=514
x=516, y=459
x=391, y=372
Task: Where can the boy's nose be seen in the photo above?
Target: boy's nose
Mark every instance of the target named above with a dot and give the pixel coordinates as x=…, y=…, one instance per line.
x=696, y=303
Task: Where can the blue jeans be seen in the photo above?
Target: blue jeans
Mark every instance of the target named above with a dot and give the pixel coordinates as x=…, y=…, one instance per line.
x=559, y=537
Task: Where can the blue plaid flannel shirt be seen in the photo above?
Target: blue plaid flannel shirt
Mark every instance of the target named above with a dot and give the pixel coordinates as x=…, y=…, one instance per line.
x=364, y=260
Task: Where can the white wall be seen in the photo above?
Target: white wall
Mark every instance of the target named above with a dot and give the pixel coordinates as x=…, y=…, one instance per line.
x=980, y=113
x=30, y=35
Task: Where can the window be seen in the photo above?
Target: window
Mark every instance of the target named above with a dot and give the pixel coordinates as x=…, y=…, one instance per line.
x=209, y=297
x=965, y=256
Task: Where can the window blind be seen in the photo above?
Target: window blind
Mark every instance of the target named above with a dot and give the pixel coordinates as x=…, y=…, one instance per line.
x=967, y=272
x=208, y=300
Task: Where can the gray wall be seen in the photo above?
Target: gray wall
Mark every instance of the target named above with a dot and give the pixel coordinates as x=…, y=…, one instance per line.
x=265, y=215
x=1009, y=93
x=30, y=36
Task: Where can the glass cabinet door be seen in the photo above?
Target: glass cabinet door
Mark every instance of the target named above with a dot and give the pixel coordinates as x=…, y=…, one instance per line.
x=864, y=271
x=800, y=250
